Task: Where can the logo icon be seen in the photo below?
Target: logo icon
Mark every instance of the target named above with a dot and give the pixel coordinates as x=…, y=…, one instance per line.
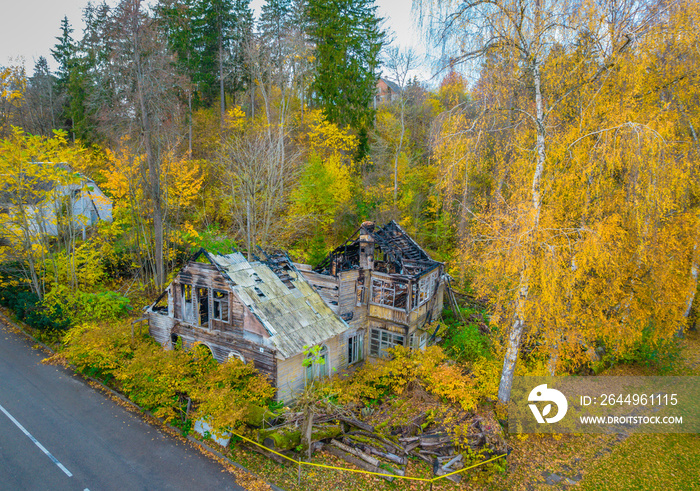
x=542, y=394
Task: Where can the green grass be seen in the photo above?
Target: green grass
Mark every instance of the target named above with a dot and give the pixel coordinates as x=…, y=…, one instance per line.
x=653, y=462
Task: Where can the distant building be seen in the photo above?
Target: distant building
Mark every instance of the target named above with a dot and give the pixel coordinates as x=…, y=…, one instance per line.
x=53, y=203
x=387, y=91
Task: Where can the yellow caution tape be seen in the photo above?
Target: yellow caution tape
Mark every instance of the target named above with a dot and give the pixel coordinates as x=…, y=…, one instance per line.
x=312, y=464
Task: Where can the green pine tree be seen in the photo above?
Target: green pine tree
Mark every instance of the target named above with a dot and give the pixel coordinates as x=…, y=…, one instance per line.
x=348, y=40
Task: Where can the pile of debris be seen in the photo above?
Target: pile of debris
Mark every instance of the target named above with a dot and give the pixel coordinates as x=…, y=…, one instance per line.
x=386, y=447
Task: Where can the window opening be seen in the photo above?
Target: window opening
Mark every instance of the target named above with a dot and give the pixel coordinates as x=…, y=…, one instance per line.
x=317, y=366
x=187, y=306
x=360, y=290
x=220, y=304
x=203, y=302
x=390, y=293
x=382, y=340
x=355, y=348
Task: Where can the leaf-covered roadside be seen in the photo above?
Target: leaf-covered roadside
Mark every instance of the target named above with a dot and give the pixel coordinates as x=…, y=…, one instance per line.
x=175, y=385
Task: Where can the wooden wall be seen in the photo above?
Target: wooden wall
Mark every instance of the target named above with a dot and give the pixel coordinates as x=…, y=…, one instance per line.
x=223, y=343
x=291, y=372
x=201, y=275
x=159, y=327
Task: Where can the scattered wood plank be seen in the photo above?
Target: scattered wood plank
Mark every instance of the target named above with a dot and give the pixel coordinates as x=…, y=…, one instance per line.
x=453, y=478
x=357, y=453
x=358, y=424
x=452, y=462
x=412, y=446
x=425, y=458
x=356, y=462
x=388, y=456
x=387, y=442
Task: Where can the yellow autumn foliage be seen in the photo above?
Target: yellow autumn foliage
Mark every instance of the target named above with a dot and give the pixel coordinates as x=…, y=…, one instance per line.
x=430, y=367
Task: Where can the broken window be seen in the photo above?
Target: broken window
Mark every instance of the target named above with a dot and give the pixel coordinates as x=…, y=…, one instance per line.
x=220, y=305
x=203, y=302
x=381, y=341
x=187, y=308
x=360, y=289
x=390, y=293
x=426, y=289
x=317, y=365
x=355, y=348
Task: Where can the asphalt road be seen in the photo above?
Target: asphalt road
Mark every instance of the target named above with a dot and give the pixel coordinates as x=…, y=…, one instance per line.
x=57, y=433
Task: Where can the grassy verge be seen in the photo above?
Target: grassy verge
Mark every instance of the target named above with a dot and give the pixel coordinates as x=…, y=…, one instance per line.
x=670, y=461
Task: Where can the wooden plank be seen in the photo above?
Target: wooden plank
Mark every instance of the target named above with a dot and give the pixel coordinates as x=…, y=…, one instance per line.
x=357, y=462
x=357, y=453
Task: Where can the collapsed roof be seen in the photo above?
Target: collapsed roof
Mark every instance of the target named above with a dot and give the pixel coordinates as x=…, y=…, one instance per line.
x=401, y=254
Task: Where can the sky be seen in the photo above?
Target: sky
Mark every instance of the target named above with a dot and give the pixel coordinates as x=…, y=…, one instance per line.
x=29, y=28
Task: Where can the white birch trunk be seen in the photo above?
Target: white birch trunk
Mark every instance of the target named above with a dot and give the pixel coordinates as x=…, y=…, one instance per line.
x=516, y=332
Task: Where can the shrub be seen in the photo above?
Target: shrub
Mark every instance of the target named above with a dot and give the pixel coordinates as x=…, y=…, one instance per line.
x=76, y=307
x=467, y=344
x=431, y=366
x=27, y=307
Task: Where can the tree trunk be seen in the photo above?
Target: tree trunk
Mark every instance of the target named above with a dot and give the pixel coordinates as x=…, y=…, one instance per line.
x=189, y=134
x=694, y=272
x=513, y=344
x=153, y=167
x=221, y=78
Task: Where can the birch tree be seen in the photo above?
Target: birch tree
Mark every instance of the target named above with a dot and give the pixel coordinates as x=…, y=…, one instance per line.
x=568, y=243
x=524, y=31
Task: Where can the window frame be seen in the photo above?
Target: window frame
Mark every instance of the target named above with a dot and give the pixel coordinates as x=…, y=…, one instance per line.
x=381, y=340
x=223, y=304
x=323, y=370
x=355, y=346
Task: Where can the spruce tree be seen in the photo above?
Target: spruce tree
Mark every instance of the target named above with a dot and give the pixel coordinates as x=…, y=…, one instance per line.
x=348, y=39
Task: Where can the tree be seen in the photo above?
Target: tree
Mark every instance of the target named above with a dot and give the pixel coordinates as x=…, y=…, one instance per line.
x=64, y=52
x=275, y=25
x=399, y=63
x=145, y=105
x=41, y=104
x=257, y=177
x=221, y=29
x=579, y=265
x=13, y=86
x=523, y=31
x=348, y=40
x=31, y=180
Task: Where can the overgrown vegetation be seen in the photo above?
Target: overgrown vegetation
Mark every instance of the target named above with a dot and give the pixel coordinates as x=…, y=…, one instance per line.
x=176, y=385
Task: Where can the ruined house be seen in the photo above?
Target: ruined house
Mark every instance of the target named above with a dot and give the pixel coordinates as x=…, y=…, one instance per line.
x=376, y=291
x=384, y=286
x=262, y=312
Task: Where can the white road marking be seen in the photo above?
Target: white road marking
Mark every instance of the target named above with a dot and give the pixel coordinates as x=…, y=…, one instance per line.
x=36, y=442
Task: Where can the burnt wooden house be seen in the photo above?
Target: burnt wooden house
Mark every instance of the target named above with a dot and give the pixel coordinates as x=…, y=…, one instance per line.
x=376, y=291
x=384, y=285
x=263, y=312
